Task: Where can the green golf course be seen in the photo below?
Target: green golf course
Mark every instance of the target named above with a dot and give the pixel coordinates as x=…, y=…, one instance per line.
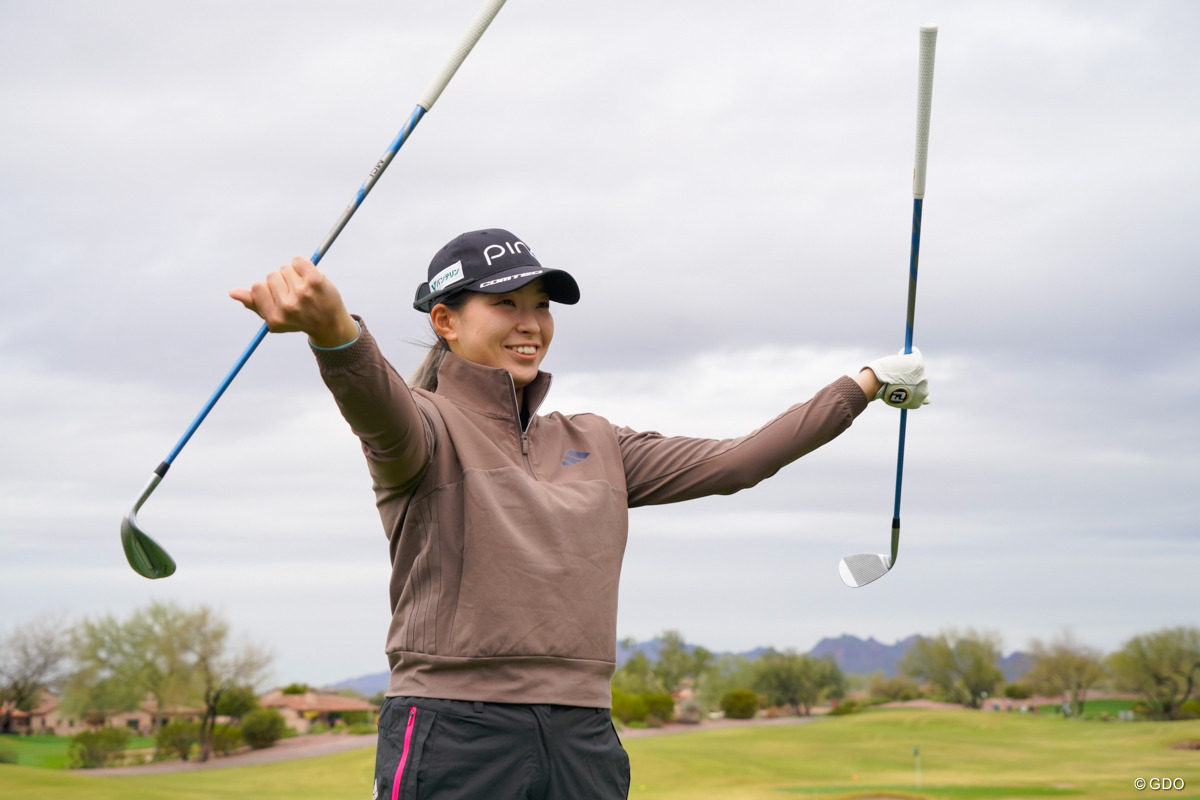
x=963, y=754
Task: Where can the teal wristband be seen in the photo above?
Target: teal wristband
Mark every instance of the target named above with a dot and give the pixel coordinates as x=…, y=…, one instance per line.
x=340, y=346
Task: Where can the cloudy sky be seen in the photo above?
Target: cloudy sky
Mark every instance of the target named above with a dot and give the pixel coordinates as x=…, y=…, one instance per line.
x=730, y=185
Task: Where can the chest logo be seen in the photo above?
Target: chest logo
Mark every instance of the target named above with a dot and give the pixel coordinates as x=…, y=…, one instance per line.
x=573, y=457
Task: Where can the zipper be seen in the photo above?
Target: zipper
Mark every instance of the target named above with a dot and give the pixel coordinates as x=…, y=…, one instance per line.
x=523, y=430
x=408, y=732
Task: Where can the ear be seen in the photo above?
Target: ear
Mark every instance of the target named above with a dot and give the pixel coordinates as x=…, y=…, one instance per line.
x=444, y=322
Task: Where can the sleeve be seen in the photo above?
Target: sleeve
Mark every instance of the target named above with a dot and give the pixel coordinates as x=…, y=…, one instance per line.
x=397, y=437
x=661, y=469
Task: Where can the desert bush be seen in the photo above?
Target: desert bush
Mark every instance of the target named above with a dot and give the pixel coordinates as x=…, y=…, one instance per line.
x=96, y=748
x=659, y=705
x=226, y=739
x=899, y=687
x=845, y=707
x=262, y=727
x=176, y=738
x=1017, y=691
x=629, y=707
x=740, y=703
x=1189, y=710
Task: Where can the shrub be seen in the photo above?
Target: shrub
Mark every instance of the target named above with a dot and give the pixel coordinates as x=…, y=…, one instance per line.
x=661, y=706
x=739, y=704
x=1016, y=691
x=95, y=748
x=629, y=707
x=355, y=717
x=845, y=707
x=262, y=727
x=1189, y=710
x=360, y=728
x=176, y=738
x=898, y=688
x=7, y=755
x=226, y=739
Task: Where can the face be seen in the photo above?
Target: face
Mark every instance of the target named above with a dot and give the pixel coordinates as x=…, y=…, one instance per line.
x=511, y=331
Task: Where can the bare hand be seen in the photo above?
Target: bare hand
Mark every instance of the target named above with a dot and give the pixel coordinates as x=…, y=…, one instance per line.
x=298, y=297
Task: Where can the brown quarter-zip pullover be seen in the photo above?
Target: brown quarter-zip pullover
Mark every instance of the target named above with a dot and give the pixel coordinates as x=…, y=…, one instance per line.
x=506, y=543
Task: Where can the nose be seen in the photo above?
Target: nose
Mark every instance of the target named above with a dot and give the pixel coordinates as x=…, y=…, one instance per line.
x=527, y=321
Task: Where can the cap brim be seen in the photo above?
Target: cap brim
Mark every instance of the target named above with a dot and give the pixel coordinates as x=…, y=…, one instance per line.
x=560, y=286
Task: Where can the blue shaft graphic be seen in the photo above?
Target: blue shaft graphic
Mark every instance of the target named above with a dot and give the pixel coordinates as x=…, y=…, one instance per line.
x=362, y=193
x=913, y=256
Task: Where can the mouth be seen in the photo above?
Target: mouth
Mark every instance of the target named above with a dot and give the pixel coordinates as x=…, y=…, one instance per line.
x=523, y=350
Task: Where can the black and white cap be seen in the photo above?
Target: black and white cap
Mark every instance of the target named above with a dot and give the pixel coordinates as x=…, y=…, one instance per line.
x=492, y=261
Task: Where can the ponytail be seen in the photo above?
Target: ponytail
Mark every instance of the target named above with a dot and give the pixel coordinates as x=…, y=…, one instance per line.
x=426, y=376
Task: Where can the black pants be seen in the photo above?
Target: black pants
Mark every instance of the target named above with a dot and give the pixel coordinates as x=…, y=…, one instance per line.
x=458, y=750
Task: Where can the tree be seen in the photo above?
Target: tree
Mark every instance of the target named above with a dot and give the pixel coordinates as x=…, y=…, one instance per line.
x=636, y=676
x=237, y=702
x=1064, y=666
x=179, y=656
x=32, y=657
x=119, y=663
x=962, y=666
x=218, y=668
x=729, y=671
x=1163, y=666
x=798, y=680
x=678, y=661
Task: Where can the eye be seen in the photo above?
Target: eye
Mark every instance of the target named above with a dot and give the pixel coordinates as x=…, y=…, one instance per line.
x=505, y=301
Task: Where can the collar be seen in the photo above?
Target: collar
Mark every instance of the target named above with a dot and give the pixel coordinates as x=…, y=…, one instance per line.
x=487, y=390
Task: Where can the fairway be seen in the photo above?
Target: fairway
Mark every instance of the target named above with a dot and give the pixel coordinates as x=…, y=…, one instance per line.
x=964, y=754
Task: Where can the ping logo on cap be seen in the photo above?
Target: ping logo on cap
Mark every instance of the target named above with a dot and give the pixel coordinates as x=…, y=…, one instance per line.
x=513, y=247
x=451, y=274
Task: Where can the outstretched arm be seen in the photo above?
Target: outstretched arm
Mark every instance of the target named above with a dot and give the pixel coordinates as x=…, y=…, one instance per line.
x=298, y=297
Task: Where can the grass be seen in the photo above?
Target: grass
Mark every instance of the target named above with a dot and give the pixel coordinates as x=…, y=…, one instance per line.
x=1094, y=709
x=963, y=755
x=51, y=751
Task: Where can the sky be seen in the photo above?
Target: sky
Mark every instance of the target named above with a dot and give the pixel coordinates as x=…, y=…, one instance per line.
x=731, y=187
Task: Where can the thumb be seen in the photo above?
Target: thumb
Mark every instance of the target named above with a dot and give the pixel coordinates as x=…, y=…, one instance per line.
x=244, y=297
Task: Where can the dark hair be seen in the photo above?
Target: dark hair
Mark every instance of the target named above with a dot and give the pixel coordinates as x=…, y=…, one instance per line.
x=426, y=375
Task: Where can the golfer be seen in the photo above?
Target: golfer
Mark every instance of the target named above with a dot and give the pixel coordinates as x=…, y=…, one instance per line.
x=507, y=528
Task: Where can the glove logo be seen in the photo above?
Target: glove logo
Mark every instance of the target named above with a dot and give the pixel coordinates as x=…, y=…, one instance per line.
x=898, y=396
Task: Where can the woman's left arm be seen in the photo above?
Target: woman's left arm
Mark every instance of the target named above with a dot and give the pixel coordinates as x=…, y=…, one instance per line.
x=661, y=469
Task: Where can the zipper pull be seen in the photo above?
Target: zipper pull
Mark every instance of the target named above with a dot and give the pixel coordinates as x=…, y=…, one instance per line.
x=524, y=444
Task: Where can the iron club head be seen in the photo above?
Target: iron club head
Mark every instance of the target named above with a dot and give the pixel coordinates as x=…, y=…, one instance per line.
x=862, y=568
x=145, y=555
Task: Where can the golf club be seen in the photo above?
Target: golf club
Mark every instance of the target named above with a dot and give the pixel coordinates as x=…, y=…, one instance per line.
x=863, y=568
x=144, y=554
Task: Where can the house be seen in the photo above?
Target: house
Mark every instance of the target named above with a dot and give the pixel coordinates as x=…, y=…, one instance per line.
x=302, y=711
x=48, y=719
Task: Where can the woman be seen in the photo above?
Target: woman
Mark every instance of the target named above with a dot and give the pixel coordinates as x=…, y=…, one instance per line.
x=507, y=528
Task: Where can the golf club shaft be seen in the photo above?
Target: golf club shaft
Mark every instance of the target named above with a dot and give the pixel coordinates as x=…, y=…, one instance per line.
x=478, y=25
x=924, y=106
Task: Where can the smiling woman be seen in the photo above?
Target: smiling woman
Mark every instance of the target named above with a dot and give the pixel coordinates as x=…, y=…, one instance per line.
x=507, y=528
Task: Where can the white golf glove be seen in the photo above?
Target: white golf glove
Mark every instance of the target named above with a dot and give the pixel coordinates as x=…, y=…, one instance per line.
x=903, y=379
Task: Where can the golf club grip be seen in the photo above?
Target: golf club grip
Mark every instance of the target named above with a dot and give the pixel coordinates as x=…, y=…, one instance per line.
x=484, y=18
x=924, y=103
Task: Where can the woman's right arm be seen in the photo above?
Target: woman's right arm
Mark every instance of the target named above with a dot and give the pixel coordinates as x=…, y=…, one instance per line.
x=375, y=401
